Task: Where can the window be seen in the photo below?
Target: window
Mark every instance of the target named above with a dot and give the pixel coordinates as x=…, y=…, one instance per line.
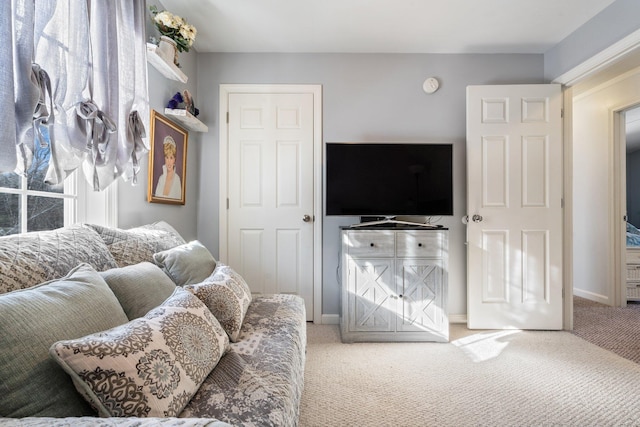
x=27, y=203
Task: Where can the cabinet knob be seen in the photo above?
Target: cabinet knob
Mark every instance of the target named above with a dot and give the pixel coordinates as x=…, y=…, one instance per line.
x=419, y=245
x=400, y=296
x=372, y=245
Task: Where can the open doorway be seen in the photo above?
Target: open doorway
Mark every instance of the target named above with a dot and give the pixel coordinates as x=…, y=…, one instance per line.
x=632, y=196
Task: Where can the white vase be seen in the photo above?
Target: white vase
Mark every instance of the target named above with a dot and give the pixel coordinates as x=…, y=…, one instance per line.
x=168, y=49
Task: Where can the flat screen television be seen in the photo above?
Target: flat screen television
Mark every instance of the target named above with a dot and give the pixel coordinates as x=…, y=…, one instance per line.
x=389, y=179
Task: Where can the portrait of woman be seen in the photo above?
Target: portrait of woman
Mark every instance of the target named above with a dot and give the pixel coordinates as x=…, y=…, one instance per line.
x=169, y=182
x=167, y=161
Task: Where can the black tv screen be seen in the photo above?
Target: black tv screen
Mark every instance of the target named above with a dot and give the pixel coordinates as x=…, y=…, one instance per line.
x=385, y=179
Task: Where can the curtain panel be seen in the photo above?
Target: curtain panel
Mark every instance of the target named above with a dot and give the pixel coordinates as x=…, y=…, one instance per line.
x=79, y=83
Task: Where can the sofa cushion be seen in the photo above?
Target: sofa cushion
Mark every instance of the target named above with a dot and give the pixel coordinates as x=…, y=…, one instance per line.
x=151, y=366
x=31, y=258
x=260, y=380
x=139, y=287
x=138, y=244
x=227, y=295
x=186, y=264
x=31, y=320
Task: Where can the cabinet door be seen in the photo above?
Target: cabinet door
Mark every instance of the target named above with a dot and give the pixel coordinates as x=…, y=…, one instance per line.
x=370, y=292
x=421, y=295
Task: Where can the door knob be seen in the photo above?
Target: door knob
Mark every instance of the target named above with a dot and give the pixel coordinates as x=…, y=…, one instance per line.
x=476, y=218
x=306, y=218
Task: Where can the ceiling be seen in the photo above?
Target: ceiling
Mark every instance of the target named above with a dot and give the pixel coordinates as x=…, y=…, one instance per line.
x=383, y=26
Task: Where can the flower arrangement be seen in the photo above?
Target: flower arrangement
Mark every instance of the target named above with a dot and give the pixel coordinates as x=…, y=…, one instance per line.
x=174, y=27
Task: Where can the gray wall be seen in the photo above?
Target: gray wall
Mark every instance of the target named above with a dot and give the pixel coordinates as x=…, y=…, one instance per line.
x=366, y=97
x=614, y=23
x=133, y=208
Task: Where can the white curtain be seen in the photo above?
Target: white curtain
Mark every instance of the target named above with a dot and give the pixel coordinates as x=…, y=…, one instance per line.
x=80, y=82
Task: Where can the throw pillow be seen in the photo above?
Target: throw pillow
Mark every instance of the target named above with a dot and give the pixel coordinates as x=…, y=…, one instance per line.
x=151, y=366
x=139, y=287
x=138, y=244
x=31, y=384
x=186, y=264
x=228, y=297
x=28, y=259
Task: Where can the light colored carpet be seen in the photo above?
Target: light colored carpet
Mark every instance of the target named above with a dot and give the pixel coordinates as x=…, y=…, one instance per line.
x=480, y=378
x=616, y=329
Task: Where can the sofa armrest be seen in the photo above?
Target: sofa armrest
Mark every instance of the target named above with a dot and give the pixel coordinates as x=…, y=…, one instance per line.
x=108, y=422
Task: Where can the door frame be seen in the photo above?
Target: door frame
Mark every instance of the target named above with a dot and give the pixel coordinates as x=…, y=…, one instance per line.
x=316, y=90
x=618, y=127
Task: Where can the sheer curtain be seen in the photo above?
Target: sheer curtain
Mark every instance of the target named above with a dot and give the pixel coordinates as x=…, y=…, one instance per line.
x=77, y=72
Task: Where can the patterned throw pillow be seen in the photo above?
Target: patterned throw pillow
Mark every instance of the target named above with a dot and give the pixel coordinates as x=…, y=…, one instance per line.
x=149, y=367
x=228, y=297
x=186, y=264
x=138, y=244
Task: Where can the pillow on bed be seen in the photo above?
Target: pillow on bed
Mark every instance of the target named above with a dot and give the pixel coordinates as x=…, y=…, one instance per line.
x=186, y=264
x=149, y=367
x=228, y=297
x=632, y=229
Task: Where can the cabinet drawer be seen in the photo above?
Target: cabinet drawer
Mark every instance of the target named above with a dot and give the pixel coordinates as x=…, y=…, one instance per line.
x=633, y=256
x=633, y=272
x=363, y=244
x=417, y=245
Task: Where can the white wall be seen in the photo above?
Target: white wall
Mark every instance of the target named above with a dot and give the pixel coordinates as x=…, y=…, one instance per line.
x=366, y=97
x=593, y=182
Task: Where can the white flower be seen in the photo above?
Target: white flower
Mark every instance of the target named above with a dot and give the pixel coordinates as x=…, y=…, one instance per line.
x=188, y=32
x=167, y=19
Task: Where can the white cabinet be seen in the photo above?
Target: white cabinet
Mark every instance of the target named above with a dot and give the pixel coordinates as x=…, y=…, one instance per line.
x=394, y=285
x=633, y=274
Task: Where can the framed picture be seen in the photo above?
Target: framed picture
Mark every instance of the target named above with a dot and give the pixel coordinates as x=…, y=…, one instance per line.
x=167, y=161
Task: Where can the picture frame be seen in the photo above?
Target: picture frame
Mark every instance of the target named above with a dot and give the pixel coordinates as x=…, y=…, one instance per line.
x=168, y=142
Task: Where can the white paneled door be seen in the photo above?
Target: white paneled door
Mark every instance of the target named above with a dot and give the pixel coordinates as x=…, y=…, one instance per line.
x=270, y=234
x=514, y=206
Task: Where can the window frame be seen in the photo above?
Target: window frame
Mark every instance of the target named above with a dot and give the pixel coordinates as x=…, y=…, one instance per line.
x=81, y=203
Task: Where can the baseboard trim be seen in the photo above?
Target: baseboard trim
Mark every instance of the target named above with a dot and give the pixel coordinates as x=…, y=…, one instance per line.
x=457, y=318
x=602, y=299
x=334, y=319
x=330, y=319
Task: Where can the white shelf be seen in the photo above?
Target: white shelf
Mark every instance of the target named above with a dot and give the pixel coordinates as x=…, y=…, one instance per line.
x=166, y=68
x=187, y=119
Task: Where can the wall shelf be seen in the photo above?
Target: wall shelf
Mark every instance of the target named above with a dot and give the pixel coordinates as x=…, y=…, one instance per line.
x=187, y=119
x=166, y=68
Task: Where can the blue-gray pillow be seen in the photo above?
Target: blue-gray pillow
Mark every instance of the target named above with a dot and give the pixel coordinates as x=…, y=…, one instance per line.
x=139, y=287
x=186, y=264
x=31, y=320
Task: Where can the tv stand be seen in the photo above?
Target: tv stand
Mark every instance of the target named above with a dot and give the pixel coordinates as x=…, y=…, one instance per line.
x=393, y=221
x=394, y=284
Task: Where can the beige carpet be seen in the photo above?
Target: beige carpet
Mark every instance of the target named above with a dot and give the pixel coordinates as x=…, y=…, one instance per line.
x=613, y=328
x=480, y=378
